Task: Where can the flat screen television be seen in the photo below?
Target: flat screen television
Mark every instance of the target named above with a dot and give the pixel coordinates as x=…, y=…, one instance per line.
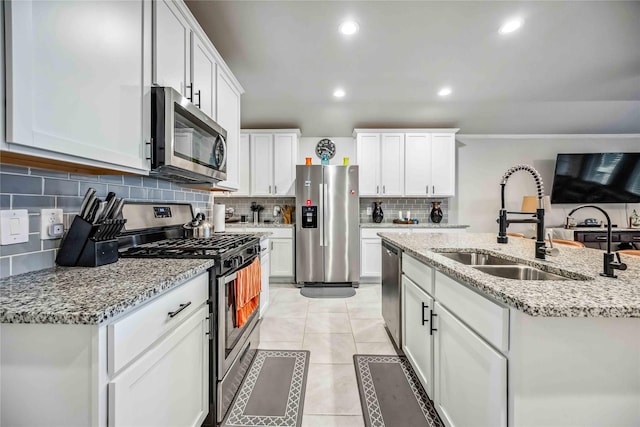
x=597, y=178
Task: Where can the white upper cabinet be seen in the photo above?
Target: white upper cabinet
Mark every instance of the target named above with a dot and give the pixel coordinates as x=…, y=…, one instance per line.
x=171, y=47
x=406, y=162
x=368, y=155
x=273, y=161
x=204, y=81
x=392, y=164
x=78, y=78
x=228, y=106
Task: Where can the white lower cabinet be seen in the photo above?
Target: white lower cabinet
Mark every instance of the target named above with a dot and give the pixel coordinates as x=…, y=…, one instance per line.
x=281, y=257
x=167, y=386
x=470, y=377
x=265, y=260
x=417, y=339
x=146, y=368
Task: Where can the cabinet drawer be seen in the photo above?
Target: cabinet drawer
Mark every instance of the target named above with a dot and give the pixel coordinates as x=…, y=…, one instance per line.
x=372, y=233
x=487, y=318
x=421, y=274
x=277, y=233
x=598, y=237
x=630, y=237
x=129, y=336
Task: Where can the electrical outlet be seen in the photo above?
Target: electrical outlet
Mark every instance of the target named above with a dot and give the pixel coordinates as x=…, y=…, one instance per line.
x=369, y=210
x=51, y=224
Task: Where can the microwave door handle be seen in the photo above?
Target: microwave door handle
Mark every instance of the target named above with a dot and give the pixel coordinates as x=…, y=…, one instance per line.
x=224, y=152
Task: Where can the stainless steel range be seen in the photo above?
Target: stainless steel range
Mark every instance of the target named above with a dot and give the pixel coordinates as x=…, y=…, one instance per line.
x=156, y=231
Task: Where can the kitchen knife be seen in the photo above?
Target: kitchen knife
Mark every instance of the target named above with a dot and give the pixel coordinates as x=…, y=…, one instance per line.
x=87, y=202
x=93, y=210
x=109, y=205
x=110, y=196
x=117, y=209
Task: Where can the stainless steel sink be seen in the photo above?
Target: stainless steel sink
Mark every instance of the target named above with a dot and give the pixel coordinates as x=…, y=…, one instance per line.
x=476, y=258
x=519, y=272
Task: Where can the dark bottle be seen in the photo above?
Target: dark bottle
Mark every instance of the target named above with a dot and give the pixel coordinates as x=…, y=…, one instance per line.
x=377, y=215
x=436, y=212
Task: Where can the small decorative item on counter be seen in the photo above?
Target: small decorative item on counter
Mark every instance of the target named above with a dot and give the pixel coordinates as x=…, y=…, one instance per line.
x=255, y=209
x=570, y=223
x=408, y=217
x=345, y=161
x=436, y=213
x=307, y=161
x=400, y=215
x=324, y=160
x=287, y=214
x=377, y=214
x=634, y=220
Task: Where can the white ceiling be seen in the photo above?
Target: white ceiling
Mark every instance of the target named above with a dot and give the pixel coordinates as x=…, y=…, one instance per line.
x=574, y=67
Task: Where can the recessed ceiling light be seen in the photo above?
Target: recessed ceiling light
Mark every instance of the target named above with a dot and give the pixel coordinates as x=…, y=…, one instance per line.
x=339, y=93
x=349, y=27
x=510, y=26
x=445, y=91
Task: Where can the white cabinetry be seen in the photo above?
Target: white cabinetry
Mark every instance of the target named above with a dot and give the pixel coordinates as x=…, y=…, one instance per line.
x=203, y=70
x=381, y=161
x=228, y=107
x=273, y=161
x=244, y=166
x=171, y=47
x=417, y=339
x=78, y=78
x=406, y=162
x=282, y=254
x=145, y=368
x=470, y=376
x=265, y=260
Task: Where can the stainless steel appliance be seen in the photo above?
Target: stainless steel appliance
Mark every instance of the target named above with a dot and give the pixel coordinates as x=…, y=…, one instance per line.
x=327, y=225
x=391, y=292
x=155, y=231
x=187, y=146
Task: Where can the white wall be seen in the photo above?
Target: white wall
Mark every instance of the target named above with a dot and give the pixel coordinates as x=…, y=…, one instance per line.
x=345, y=147
x=483, y=161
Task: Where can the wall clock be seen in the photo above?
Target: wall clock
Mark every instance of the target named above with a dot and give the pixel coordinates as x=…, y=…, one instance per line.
x=326, y=146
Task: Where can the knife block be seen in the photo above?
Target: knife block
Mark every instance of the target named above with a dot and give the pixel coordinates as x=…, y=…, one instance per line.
x=79, y=247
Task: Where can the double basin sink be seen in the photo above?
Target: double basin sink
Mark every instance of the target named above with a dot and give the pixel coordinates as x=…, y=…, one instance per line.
x=501, y=267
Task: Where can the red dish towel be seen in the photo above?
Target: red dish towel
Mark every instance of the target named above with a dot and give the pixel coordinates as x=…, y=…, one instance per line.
x=247, y=289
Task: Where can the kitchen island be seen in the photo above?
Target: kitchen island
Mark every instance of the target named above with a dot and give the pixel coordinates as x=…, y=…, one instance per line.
x=506, y=352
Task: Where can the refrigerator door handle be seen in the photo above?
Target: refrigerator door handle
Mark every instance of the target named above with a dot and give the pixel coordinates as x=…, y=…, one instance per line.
x=325, y=208
x=321, y=214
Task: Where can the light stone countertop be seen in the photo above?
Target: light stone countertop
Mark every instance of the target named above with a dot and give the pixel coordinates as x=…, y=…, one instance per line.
x=400, y=226
x=85, y=295
x=259, y=225
x=596, y=296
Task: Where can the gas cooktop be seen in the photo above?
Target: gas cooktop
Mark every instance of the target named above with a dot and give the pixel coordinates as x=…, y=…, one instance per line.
x=217, y=246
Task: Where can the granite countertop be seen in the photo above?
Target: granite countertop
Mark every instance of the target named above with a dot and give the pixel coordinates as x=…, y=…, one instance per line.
x=420, y=225
x=596, y=296
x=259, y=225
x=84, y=295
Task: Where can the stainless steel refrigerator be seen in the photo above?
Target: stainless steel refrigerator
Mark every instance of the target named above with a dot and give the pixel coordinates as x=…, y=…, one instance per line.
x=327, y=225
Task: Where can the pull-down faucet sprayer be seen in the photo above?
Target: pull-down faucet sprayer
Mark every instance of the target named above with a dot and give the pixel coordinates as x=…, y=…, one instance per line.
x=541, y=249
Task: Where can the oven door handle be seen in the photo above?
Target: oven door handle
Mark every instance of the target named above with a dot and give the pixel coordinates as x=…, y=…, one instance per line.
x=230, y=278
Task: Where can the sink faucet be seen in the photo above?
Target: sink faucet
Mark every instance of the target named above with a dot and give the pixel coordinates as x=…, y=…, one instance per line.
x=504, y=221
x=609, y=264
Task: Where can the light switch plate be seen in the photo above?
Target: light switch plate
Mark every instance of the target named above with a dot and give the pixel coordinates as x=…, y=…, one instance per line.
x=48, y=217
x=14, y=226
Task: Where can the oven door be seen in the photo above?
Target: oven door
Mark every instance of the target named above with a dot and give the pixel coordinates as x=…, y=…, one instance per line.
x=187, y=145
x=231, y=337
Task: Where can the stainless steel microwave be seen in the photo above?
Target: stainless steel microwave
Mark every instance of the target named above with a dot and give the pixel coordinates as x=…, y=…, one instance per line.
x=187, y=146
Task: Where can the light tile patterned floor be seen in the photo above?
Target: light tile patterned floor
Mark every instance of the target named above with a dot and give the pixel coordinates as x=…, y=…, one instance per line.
x=333, y=330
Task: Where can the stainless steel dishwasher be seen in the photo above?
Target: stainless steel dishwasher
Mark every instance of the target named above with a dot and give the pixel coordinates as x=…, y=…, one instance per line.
x=391, y=291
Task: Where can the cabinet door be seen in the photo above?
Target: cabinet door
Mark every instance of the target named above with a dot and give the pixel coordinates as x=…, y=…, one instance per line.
x=265, y=260
x=171, y=47
x=204, y=75
x=392, y=164
x=168, y=385
x=470, y=377
x=78, y=81
x=281, y=258
x=443, y=164
x=284, y=163
x=368, y=153
x=244, y=166
x=228, y=107
x=371, y=258
x=417, y=167
x=261, y=164
x=417, y=341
